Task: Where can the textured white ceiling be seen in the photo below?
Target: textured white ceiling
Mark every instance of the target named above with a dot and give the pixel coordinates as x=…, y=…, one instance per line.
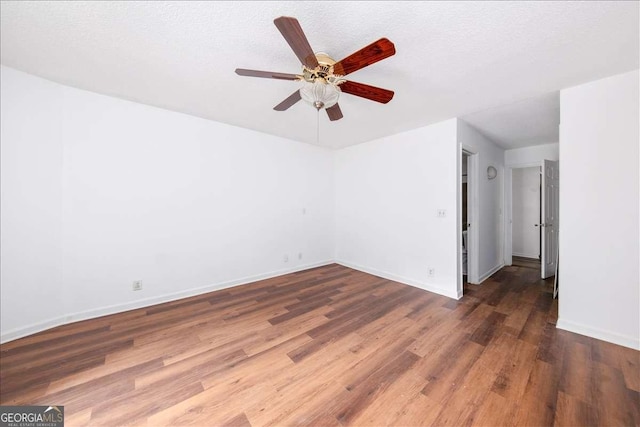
x=524, y=123
x=453, y=58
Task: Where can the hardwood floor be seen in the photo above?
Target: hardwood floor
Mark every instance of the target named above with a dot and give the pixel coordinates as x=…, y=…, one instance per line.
x=330, y=346
x=520, y=261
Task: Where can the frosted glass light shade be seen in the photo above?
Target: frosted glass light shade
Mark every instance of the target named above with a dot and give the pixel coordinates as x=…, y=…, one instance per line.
x=320, y=94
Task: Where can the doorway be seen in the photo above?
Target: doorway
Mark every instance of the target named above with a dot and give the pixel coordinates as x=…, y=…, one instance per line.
x=526, y=206
x=467, y=214
x=531, y=222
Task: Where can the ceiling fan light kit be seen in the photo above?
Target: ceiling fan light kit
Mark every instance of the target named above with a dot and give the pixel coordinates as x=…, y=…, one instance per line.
x=320, y=95
x=322, y=77
x=320, y=87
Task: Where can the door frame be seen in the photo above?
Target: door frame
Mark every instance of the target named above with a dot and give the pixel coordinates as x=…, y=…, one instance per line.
x=508, y=207
x=472, y=215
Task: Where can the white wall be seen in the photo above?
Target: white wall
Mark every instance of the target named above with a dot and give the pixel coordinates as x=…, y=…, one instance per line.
x=98, y=192
x=531, y=155
x=31, y=221
x=85, y=210
x=599, y=283
x=485, y=234
x=526, y=212
x=388, y=193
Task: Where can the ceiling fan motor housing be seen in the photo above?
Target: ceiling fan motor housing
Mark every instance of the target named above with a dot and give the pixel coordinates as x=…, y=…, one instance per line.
x=323, y=72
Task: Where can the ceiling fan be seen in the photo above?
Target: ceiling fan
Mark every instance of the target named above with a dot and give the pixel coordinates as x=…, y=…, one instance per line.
x=322, y=77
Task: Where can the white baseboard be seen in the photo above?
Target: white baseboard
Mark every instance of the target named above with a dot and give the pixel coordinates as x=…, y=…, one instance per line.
x=612, y=337
x=146, y=302
x=523, y=255
x=490, y=273
x=436, y=289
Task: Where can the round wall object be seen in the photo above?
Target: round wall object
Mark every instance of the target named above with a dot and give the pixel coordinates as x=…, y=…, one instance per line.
x=492, y=172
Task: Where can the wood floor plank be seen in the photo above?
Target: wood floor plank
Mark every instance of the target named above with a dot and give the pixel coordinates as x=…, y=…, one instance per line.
x=630, y=367
x=518, y=316
x=576, y=380
x=365, y=392
x=495, y=411
x=418, y=410
x=145, y=352
x=106, y=370
x=388, y=405
x=573, y=411
x=239, y=420
x=287, y=330
x=538, y=406
x=79, y=419
x=330, y=346
x=209, y=407
x=85, y=394
x=512, y=379
x=371, y=358
x=533, y=329
x=473, y=385
x=446, y=374
x=440, y=327
x=610, y=385
x=312, y=382
x=192, y=369
x=137, y=405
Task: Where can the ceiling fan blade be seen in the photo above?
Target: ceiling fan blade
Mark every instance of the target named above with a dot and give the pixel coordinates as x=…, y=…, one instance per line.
x=334, y=112
x=293, y=34
x=266, y=74
x=376, y=51
x=365, y=91
x=292, y=99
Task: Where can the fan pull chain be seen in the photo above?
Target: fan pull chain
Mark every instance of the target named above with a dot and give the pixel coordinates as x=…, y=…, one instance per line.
x=318, y=128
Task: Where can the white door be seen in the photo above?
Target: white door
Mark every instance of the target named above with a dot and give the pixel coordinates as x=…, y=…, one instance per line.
x=472, y=215
x=550, y=196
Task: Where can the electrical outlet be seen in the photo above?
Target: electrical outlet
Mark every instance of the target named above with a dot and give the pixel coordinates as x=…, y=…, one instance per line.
x=285, y=258
x=442, y=213
x=299, y=255
x=431, y=271
x=137, y=285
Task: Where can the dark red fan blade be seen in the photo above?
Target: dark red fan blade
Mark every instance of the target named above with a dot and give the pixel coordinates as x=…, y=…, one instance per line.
x=293, y=34
x=265, y=74
x=334, y=112
x=365, y=91
x=292, y=99
x=376, y=51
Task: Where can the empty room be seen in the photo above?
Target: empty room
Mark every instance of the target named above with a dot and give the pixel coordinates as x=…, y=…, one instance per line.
x=319, y=213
